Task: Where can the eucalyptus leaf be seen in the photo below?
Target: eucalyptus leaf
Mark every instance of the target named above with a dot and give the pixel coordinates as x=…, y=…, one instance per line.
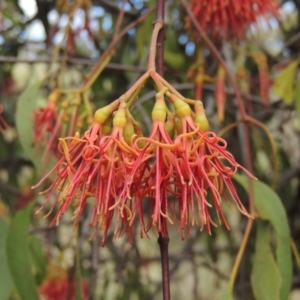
x=26, y=104
x=265, y=277
x=283, y=86
x=18, y=254
x=38, y=259
x=172, y=55
x=227, y=294
x=6, y=282
x=270, y=208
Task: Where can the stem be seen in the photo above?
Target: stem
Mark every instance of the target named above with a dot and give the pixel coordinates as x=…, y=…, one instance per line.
x=295, y=252
x=94, y=268
x=159, y=18
x=241, y=251
x=153, y=44
x=133, y=97
x=157, y=49
x=170, y=87
x=156, y=80
x=119, y=20
x=78, y=61
x=163, y=242
x=139, y=83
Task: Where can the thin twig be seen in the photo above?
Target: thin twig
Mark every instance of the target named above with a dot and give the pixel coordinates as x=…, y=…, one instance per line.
x=119, y=20
x=71, y=60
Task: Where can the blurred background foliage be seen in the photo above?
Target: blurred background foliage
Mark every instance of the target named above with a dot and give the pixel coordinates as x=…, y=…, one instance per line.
x=38, y=262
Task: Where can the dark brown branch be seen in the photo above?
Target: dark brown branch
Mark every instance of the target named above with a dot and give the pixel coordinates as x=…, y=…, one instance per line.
x=79, y=61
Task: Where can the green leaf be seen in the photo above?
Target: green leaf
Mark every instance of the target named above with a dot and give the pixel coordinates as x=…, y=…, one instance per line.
x=283, y=86
x=6, y=282
x=172, y=54
x=265, y=277
x=227, y=294
x=297, y=100
x=38, y=259
x=18, y=255
x=143, y=32
x=270, y=208
x=26, y=104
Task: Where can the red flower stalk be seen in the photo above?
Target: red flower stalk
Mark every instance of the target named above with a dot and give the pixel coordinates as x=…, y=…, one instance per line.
x=152, y=179
x=46, y=124
x=9, y=133
x=230, y=18
x=3, y=124
x=197, y=74
x=243, y=79
x=199, y=79
x=220, y=93
x=70, y=47
x=264, y=81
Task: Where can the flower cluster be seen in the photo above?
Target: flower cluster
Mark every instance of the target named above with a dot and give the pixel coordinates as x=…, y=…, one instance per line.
x=181, y=173
x=230, y=18
x=59, y=117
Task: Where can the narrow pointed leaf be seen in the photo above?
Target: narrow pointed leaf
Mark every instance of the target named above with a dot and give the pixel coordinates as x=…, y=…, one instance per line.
x=6, y=282
x=227, y=294
x=270, y=208
x=38, y=259
x=26, y=105
x=18, y=255
x=283, y=86
x=265, y=277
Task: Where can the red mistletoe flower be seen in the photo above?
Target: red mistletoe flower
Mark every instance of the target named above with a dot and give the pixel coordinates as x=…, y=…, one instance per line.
x=229, y=18
x=192, y=173
x=180, y=174
x=94, y=166
x=46, y=124
x=151, y=172
x=63, y=289
x=206, y=169
x=58, y=118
